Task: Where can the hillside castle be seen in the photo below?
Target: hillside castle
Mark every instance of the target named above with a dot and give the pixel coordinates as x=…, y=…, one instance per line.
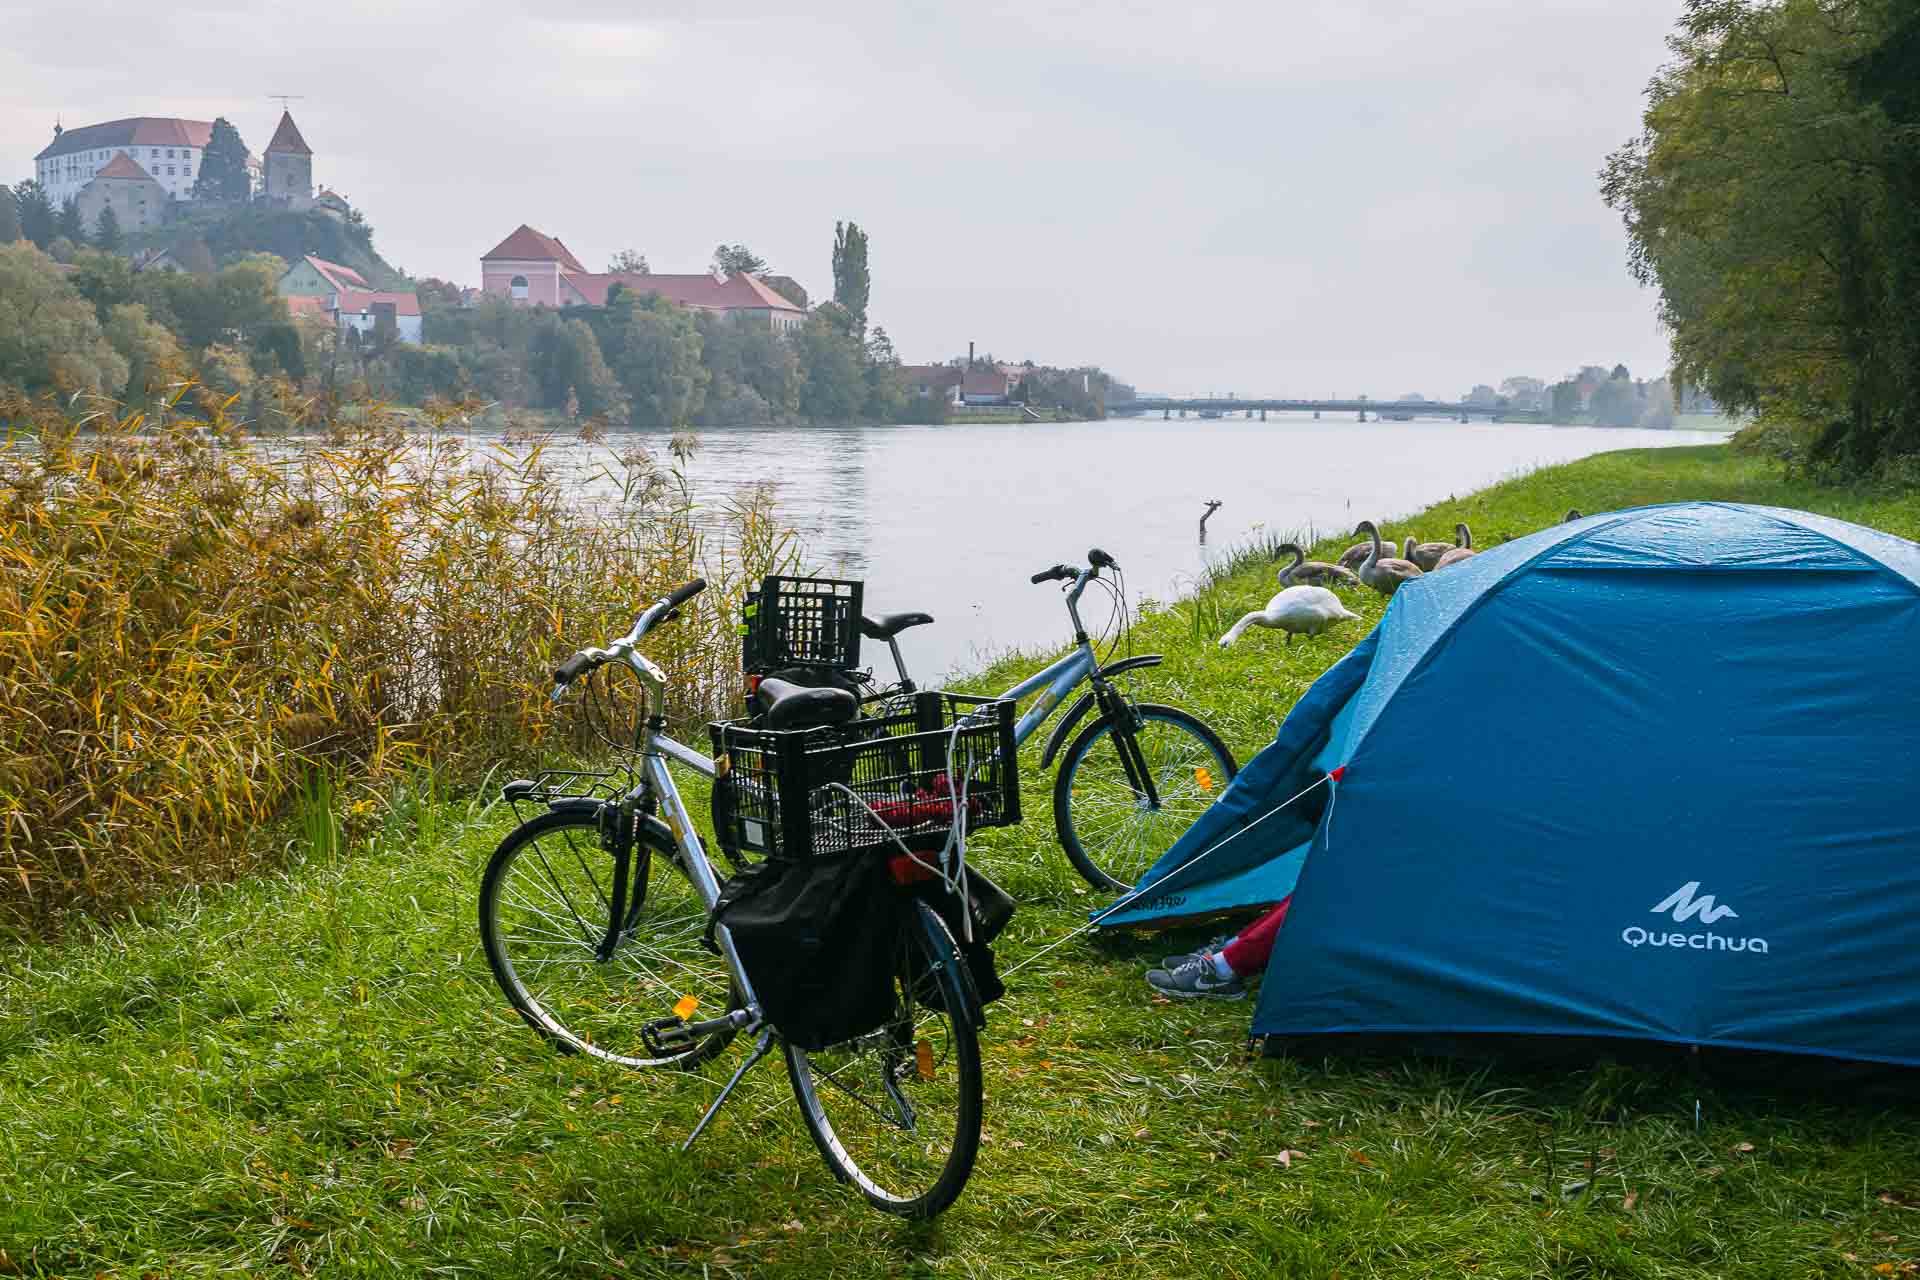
x=144, y=167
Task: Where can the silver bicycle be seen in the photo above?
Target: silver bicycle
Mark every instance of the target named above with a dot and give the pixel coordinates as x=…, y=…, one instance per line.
x=595, y=916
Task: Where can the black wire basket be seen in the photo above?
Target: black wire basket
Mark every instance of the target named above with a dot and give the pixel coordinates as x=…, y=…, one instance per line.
x=801, y=622
x=871, y=784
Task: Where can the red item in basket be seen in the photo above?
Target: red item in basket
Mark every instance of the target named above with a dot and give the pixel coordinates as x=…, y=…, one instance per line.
x=934, y=805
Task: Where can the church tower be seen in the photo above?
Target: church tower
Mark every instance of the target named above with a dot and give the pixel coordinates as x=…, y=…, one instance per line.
x=287, y=176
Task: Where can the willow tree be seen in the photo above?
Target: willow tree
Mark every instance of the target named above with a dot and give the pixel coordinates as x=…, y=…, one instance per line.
x=1757, y=199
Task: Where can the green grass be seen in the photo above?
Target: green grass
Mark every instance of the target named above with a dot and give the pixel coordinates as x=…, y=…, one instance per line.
x=311, y=1073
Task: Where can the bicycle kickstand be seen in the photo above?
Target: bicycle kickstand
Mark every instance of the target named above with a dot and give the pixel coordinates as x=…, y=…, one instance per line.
x=760, y=1051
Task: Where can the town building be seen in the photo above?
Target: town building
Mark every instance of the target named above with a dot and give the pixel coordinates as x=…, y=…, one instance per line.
x=168, y=150
x=533, y=269
x=316, y=287
x=287, y=171
x=138, y=200
x=930, y=381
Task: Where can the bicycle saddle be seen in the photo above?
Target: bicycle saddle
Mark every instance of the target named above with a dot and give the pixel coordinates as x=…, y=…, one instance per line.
x=892, y=625
x=792, y=706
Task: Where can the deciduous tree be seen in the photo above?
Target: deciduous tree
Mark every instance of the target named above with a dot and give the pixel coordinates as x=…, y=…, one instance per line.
x=9, y=216
x=653, y=348
x=734, y=259
x=50, y=339
x=630, y=261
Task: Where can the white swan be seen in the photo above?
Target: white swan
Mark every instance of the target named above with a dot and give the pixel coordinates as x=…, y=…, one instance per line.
x=1298, y=611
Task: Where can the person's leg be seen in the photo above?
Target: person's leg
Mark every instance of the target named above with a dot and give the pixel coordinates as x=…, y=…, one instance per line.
x=1247, y=954
x=1221, y=973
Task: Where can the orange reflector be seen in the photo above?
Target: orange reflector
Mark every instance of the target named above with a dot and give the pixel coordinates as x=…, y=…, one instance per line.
x=1204, y=778
x=684, y=1007
x=923, y=1058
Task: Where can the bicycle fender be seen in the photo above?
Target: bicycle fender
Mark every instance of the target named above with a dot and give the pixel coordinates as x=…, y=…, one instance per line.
x=1133, y=664
x=1063, y=732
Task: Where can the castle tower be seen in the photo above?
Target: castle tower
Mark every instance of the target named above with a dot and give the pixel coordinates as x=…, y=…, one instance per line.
x=287, y=176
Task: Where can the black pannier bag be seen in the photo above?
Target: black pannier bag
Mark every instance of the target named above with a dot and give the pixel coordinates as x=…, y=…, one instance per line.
x=818, y=940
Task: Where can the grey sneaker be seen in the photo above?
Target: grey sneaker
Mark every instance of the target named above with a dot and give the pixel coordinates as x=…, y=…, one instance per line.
x=1211, y=945
x=1193, y=979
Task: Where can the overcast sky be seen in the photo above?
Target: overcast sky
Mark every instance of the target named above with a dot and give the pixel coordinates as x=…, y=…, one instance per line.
x=1300, y=198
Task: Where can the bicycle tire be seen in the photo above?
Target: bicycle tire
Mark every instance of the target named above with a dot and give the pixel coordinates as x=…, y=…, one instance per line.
x=537, y=918
x=1110, y=849
x=949, y=1072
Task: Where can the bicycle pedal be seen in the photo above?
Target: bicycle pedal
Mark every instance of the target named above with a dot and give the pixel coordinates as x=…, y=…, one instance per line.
x=664, y=1036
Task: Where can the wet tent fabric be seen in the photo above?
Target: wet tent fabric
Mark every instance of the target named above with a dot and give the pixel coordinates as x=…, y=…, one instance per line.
x=1651, y=774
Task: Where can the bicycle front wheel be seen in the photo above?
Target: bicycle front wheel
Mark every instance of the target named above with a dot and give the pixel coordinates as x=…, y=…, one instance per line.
x=1111, y=829
x=897, y=1112
x=546, y=905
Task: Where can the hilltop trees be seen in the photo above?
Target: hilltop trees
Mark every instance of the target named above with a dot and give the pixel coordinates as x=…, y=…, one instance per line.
x=631, y=261
x=106, y=230
x=223, y=166
x=1770, y=198
x=35, y=212
x=9, y=216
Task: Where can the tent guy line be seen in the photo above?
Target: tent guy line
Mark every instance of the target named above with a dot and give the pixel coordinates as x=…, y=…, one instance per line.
x=1127, y=899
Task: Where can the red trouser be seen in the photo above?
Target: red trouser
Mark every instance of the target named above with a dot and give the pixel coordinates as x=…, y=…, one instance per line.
x=1248, y=953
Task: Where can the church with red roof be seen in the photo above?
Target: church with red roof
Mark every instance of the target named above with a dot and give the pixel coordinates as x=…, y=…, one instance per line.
x=534, y=269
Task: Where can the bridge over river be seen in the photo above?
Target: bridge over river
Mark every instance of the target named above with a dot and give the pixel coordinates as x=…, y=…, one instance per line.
x=1394, y=410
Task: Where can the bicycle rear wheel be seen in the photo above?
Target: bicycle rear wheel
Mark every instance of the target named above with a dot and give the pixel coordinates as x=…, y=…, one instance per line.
x=545, y=907
x=897, y=1112
x=1110, y=830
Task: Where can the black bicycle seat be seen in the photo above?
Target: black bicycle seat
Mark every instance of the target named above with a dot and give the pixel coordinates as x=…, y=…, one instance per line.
x=793, y=706
x=892, y=625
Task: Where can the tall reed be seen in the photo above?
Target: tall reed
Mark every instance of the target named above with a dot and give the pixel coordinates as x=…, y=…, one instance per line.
x=191, y=625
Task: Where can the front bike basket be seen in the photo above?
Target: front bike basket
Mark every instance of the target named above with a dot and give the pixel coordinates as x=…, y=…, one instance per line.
x=852, y=788
x=801, y=622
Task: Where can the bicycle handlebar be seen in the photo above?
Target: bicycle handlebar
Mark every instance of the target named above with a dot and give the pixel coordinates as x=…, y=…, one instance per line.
x=1101, y=560
x=572, y=669
x=587, y=660
x=1056, y=574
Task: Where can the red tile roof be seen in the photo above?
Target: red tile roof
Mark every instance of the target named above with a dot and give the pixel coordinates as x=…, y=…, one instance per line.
x=528, y=245
x=287, y=137
x=704, y=291
x=355, y=302
x=121, y=167
x=144, y=131
x=338, y=276
x=929, y=375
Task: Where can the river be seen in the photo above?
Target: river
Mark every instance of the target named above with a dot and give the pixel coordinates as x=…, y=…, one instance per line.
x=952, y=520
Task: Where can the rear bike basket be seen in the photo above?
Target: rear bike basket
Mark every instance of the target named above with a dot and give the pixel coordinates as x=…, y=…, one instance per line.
x=801, y=622
x=870, y=784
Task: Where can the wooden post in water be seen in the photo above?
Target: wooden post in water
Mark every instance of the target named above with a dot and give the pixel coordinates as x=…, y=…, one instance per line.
x=1213, y=505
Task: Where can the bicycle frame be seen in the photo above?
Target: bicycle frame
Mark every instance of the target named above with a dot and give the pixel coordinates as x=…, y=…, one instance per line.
x=1058, y=680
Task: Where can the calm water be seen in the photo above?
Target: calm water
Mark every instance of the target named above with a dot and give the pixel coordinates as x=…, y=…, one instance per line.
x=952, y=520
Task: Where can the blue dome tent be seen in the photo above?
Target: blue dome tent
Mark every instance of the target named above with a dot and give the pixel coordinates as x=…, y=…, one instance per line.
x=1651, y=774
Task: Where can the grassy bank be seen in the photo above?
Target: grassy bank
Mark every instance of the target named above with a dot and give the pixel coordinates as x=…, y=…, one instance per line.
x=312, y=1074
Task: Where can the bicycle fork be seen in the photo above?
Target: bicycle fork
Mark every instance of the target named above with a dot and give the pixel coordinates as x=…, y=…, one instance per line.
x=1133, y=761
